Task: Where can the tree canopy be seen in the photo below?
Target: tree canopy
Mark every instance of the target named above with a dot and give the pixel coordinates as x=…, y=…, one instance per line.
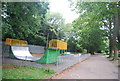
x=96, y=23
x=95, y=30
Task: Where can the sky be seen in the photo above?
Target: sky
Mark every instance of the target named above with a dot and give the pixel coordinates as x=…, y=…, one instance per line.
x=62, y=6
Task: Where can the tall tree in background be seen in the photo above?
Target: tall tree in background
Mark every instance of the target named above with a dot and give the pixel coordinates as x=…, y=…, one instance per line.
x=99, y=16
x=22, y=20
x=116, y=29
x=57, y=23
x=91, y=36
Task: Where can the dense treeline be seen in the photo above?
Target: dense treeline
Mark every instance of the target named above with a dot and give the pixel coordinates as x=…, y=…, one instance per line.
x=97, y=25
x=97, y=29
x=22, y=20
x=27, y=21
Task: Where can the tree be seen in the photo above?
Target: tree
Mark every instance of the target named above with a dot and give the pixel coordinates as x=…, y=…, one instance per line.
x=91, y=36
x=57, y=23
x=102, y=14
x=23, y=19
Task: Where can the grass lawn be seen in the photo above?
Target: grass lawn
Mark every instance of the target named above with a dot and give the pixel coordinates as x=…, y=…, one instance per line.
x=23, y=72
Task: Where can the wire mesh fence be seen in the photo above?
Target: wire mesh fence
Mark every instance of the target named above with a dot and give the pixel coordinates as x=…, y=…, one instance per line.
x=64, y=62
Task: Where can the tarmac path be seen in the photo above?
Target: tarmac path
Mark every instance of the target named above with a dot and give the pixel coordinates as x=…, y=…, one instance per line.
x=96, y=67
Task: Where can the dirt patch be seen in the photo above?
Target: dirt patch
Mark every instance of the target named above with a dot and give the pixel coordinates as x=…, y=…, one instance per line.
x=37, y=54
x=7, y=66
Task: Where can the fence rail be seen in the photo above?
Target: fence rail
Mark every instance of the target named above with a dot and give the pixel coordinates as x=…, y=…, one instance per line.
x=66, y=61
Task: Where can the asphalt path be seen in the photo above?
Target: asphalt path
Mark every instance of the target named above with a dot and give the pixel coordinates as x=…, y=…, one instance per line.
x=96, y=67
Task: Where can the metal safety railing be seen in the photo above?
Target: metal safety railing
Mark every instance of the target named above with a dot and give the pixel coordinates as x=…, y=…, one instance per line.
x=64, y=62
x=58, y=44
x=14, y=42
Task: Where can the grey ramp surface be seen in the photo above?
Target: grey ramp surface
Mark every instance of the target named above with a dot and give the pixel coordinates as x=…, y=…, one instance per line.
x=23, y=53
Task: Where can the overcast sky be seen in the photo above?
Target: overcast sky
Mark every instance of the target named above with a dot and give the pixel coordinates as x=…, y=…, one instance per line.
x=62, y=6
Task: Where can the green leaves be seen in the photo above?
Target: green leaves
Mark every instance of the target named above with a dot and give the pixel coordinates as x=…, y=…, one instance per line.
x=89, y=25
x=57, y=23
x=96, y=23
x=21, y=19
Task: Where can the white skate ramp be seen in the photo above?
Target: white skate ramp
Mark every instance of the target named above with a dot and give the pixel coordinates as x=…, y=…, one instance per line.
x=23, y=53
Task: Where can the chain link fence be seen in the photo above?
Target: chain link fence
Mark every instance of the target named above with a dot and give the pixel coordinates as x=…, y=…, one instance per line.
x=67, y=61
x=64, y=62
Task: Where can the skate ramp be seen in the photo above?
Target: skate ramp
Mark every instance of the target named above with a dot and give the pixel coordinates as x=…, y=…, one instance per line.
x=23, y=53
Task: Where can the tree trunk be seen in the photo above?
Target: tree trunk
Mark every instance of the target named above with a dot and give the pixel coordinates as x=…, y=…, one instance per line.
x=115, y=31
x=110, y=38
x=110, y=48
x=115, y=53
x=118, y=35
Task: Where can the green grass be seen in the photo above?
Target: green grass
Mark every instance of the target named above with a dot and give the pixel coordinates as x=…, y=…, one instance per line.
x=23, y=72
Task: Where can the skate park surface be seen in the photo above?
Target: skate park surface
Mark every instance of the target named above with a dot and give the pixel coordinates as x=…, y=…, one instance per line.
x=23, y=53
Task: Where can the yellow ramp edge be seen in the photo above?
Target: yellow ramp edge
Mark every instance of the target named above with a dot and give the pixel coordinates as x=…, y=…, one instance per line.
x=14, y=42
x=58, y=44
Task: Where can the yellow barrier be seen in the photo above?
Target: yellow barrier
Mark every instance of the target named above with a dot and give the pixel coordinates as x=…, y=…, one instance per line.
x=14, y=42
x=57, y=44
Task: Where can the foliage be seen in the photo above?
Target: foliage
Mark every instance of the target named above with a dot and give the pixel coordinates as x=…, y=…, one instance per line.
x=57, y=23
x=96, y=26
x=73, y=41
x=68, y=31
x=91, y=35
x=22, y=19
x=97, y=21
